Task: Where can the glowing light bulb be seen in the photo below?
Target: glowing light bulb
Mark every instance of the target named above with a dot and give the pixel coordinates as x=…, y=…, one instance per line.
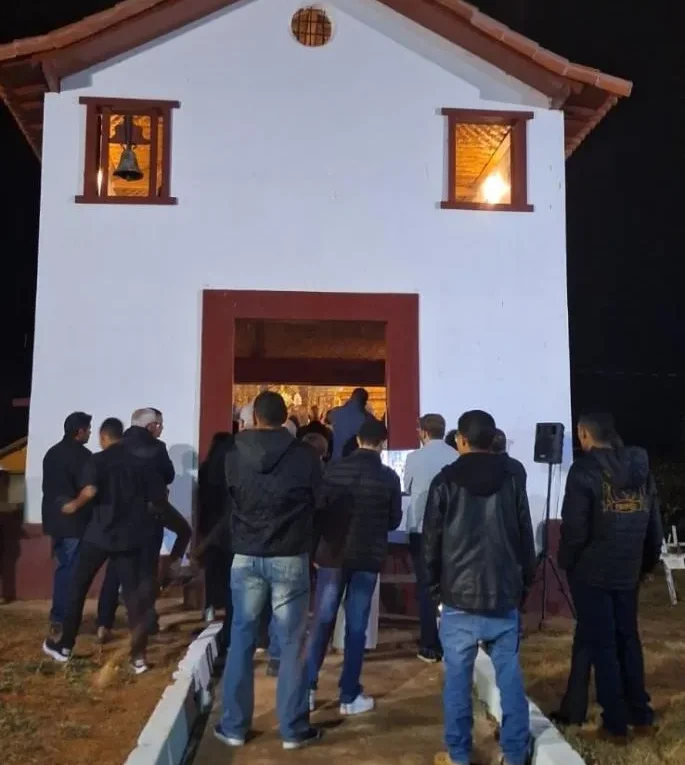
x=99, y=181
x=494, y=188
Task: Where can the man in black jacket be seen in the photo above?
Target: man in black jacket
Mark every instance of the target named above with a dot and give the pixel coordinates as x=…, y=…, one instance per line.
x=143, y=440
x=359, y=503
x=62, y=467
x=271, y=480
x=479, y=558
x=119, y=489
x=611, y=535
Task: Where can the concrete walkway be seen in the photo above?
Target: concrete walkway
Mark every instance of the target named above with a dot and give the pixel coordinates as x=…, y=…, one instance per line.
x=404, y=729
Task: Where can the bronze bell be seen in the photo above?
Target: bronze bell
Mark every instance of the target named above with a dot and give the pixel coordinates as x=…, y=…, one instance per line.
x=128, y=168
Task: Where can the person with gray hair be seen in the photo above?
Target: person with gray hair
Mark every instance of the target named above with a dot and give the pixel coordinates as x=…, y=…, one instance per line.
x=142, y=440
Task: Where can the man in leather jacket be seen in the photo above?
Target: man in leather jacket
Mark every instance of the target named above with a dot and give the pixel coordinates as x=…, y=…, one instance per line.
x=479, y=558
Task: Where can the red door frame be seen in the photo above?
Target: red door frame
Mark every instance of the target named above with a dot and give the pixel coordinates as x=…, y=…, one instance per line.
x=400, y=313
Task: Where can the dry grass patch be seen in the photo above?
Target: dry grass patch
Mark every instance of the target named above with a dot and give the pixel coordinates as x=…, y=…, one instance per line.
x=89, y=711
x=546, y=661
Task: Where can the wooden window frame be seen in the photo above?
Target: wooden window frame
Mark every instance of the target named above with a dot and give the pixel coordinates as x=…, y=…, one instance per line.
x=96, y=109
x=518, y=121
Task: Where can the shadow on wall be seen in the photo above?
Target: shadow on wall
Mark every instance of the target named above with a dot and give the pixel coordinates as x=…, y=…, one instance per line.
x=184, y=488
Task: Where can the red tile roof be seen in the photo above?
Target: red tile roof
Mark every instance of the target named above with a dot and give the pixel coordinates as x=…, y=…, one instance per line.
x=33, y=66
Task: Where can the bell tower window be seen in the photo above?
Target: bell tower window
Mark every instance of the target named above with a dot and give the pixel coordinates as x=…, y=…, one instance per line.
x=128, y=151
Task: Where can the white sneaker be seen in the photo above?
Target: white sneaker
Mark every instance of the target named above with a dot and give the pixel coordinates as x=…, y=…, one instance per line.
x=359, y=706
x=138, y=666
x=55, y=651
x=312, y=701
x=228, y=740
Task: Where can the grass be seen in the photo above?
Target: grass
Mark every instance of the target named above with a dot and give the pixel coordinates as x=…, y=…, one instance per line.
x=89, y=711
x=546, y=658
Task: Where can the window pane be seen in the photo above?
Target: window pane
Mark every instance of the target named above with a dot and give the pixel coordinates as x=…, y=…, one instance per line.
x=483, y=163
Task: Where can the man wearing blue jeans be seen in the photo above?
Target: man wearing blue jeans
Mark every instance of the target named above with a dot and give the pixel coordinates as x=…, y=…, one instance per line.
x=359, y=503
x=479, y=558
x=62, y=469
x=271, y=480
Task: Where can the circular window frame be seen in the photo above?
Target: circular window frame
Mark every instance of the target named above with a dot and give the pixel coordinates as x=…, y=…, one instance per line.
x=310, y=8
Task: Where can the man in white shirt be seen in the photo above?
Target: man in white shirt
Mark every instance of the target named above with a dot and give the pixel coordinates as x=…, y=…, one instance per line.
x=421, y=468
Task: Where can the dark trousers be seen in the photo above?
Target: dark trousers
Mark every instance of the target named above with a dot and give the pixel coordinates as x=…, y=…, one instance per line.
x=608, y=623
x=108, y=602
x=148, y=573
x=428, y=613
x=137, y=600
x=216, y=575
x=575, y=701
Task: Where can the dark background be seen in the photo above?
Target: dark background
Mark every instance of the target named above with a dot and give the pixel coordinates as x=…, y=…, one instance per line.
x=625, y=186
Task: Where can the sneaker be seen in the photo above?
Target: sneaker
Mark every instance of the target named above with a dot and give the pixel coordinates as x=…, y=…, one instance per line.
x=138, y=666
x=429, y=656
x=561, y=718
x=56, y=651
x=359, y=706
x=272, y=667
x=312, y=736
x=228, y=740
x=312, y=701
x=104, y=635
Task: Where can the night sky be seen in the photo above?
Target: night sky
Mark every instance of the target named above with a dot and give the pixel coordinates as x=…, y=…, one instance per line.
x=625, y=221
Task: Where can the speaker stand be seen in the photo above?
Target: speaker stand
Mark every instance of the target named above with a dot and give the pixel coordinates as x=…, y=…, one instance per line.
x=546, y=561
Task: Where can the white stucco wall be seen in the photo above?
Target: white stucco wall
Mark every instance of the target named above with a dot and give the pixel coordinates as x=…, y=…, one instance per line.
x=298, y=169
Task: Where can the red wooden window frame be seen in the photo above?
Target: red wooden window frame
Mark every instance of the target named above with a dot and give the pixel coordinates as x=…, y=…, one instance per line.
x=98, y=111
x=399, y=313
x=519, y=157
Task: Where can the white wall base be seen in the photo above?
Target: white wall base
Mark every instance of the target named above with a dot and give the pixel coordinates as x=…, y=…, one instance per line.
x=550, y=746
x=164, y=739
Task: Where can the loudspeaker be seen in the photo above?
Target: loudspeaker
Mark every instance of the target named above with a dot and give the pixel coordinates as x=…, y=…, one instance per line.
x=549, y=443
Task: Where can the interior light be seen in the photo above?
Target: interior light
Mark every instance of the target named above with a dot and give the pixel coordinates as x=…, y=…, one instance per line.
x=495, y=188
x=100, y=176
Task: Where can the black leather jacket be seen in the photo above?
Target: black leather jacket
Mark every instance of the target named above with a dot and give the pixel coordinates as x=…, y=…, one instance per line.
x=478, y=549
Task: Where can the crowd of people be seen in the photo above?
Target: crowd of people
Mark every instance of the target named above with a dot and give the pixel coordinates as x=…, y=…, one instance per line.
x=286, y=509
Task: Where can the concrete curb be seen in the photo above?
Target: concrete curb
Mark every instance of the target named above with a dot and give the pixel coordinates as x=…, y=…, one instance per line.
x=550, y=746
x=164, y=739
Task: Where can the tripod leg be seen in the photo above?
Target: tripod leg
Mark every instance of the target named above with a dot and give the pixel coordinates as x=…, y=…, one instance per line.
x=562, y=587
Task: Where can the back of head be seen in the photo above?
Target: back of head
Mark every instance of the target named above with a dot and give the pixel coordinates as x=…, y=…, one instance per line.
x=270, y=411
x=317, y=442
x=477, y=429
x=499, y=442
x=433, y=425
x=372, y=434
x=598, y=429
x=75, y=423
x=112, y=428
x=143, y=418
x=451, y=439
x=361, y=397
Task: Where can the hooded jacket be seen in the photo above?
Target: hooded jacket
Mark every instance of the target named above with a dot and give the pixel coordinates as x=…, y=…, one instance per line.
x=611, y=528
x=360, y=501
x=477, y=548
x=271, y=480
x=145, y=446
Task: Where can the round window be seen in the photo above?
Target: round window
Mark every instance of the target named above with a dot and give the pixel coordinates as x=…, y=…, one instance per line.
x=311, y=27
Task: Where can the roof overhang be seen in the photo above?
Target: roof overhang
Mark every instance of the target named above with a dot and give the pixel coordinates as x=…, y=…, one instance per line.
x=32, y=67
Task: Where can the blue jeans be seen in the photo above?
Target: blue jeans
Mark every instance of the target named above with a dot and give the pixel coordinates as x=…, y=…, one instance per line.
x=66, y=552
x=358, y=587
x=253, y=580
x=267, y=634
x=460, y=633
